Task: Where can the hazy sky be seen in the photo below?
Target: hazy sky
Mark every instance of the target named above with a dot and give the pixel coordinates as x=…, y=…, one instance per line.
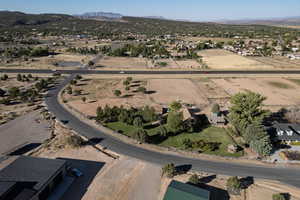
x=175, y=9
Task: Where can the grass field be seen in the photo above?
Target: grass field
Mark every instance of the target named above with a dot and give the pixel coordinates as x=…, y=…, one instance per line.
x=210, y=134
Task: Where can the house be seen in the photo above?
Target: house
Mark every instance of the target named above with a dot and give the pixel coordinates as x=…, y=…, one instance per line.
x=181, y=191
x=30, y=178
x=285, y=132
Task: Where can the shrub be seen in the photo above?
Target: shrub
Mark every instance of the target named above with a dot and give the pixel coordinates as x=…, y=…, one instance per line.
x=194, y=179
x=169, y=170
x=117, y=93
x=279, y=197
x=175, y=121
x=234, y=185
x=163, y=131
x=141, y=89
x=75, y=141
x=175, y=106
x=187, y=143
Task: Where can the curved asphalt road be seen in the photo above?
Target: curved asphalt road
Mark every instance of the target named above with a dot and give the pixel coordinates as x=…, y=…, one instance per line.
x=287, y=175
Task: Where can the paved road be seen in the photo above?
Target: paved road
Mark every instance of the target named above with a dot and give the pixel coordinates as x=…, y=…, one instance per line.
x=84, y=71
x=286, y=175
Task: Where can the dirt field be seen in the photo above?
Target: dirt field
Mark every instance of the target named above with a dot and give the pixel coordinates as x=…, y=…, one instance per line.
x=275, y=96
x=122, y=62
x=222, y=59
x=202, y=92
x=278, y=62
x=105, y=178
x=48, y=62
x=175, y=89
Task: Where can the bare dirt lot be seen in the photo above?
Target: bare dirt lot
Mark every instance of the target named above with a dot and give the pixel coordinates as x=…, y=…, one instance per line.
x=222, y=59
x=104, y=178
x=122, y=62
x=279, y=92
x=280, y=62
x=49, y=61
x=202, y=92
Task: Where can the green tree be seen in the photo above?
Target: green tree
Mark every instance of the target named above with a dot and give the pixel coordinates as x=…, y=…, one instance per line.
x=69, y=90
x=187, y=144
x=175, y=106
x=262, y=146
x=246, y=109
x=175, y=121
x=141, y=135
x=2, y=92
x=141, y=89
x=254, y=132
x=117, y=93
x=194, y=179
x=279, y=197
x=19, y=77
x=14, y=92
x=138, y=122
x=83, y=99
x=123, y=116
x=4, y=77
x=169, y=170
x=234, y=185
x=126, y=83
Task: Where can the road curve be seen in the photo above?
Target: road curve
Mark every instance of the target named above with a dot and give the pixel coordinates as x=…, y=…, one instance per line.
x=286, y=175
x=151, y=72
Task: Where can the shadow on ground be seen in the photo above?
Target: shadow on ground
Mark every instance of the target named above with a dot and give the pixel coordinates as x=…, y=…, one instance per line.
x=80, y=186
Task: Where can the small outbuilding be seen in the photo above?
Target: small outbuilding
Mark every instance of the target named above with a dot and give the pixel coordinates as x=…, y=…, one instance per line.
x=183, y=191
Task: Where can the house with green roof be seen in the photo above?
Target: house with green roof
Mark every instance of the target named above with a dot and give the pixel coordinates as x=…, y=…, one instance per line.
x=182, y=191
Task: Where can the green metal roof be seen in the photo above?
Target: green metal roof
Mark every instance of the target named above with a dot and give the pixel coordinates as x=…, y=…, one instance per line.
x=182, y=191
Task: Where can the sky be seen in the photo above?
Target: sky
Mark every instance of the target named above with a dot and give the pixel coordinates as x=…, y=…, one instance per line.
x=198, y=10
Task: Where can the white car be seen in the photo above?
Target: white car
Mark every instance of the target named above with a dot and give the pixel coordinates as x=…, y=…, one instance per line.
x=122, y=72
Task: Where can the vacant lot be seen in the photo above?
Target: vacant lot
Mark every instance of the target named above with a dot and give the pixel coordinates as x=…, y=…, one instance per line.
x=122, y=62
x=222, y=59
x=169, y=90
x=48, y=62
x=279, y=92
x=278, y=62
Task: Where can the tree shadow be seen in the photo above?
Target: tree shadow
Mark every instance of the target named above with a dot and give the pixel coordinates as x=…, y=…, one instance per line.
x=94, y=141
x=207, y=179
x=156, y=139
x=183, y=169
x=150, y=92
x=135, y=85
x=127, y=95
x=247, y=182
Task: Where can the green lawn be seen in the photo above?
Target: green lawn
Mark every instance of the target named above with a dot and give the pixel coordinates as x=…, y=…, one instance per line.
x=210, y=134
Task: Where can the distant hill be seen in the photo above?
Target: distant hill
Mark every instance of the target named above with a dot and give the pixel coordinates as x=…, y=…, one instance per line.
x=100, y=15
x=288, y=21
x=8, y=18
x=93, y=24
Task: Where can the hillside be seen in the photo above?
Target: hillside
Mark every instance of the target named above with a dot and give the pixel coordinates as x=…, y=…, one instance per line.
x=65, y=24
x=8, y=19
x=288, y=21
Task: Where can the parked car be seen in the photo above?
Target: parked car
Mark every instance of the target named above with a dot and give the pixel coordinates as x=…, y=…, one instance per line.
x=76, y=172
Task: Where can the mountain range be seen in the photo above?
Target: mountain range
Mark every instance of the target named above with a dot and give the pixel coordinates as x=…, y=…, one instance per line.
x=286, y=21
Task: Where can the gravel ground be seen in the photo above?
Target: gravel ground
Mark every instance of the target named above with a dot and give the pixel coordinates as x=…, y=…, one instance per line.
x=23, y=130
